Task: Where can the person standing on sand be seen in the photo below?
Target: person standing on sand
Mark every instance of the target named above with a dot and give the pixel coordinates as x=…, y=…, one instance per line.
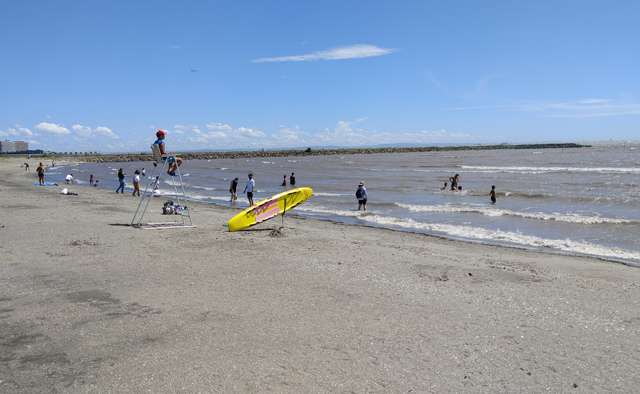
x=136, y=183
x=40, y=171
x=361, y=195
x=493, y=194
x=121, y=179
x=233, y=189
x=26, y=167
x=91, y=180
x=251, y=184
x=173, y=165
x=69, y=178
x=292, y=179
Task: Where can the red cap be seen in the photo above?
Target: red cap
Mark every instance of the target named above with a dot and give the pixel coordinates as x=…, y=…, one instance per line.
x=161, y=132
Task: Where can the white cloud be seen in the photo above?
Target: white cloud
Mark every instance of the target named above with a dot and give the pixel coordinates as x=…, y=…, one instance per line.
x=289, y=134
x=594, y=101
x=48, y=117
x=584, y=108
x=184, y=127
x=18, y=131
x=105, y=131
x=347, y=52
x=3, y=134
x=50, y=128
x=82, y=131
x=180, y=129
x=244, y=132
x=203, y=137
x=85, y=132
x=219, y=126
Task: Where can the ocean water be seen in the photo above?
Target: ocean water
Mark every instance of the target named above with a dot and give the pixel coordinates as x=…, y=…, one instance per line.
x=579, y=201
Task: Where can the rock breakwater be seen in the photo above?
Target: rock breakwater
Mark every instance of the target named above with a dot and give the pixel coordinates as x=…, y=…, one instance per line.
x=110, y=158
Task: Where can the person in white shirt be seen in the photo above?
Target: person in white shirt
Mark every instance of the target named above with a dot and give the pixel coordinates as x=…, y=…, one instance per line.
x=251, y=184
x=69, y=178
x=136, y=183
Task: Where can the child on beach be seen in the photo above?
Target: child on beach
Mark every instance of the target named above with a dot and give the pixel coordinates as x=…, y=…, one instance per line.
x=95, y=184
x=91, y=180
x=361, y=195
x=493, y=194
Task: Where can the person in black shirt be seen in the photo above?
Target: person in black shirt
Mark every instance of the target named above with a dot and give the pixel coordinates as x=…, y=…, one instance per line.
x=233, y=189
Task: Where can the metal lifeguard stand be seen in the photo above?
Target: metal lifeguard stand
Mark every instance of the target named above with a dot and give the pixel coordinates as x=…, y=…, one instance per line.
x=155, y=179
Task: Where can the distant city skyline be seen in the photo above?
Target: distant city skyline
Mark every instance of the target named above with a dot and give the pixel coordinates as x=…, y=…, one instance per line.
x=250, y=75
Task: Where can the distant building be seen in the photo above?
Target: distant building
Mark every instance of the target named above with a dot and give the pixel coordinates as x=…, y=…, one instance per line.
x=7, y=146
x=22, y=146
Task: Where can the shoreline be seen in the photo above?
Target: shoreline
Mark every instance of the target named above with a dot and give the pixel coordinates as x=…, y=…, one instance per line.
x=541, y=249
x=90, y=304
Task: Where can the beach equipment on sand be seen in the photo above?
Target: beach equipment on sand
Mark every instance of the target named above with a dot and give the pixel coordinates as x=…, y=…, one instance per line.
x=46, y=184
x=152, y=184
x=269, y=208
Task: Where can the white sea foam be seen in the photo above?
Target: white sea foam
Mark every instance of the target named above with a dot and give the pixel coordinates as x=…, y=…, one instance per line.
x=330, y=194
x=555, y=169
x=490, y=211
x=172, y=182
x=205, y=188
x=331, y=212
x=478, y=233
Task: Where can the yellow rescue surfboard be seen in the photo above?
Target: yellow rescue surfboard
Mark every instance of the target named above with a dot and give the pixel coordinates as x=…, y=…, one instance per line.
x=269, y=208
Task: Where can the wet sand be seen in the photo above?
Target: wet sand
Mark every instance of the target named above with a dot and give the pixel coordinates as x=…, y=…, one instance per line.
x=90, y=304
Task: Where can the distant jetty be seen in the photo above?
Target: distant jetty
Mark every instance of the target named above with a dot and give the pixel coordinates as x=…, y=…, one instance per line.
x=110, y=158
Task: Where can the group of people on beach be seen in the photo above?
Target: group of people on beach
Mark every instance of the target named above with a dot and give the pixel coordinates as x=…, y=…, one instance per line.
x=250, y=187
x=454, y=184
x=135, y=179
x=458, y=189
x=175, y=162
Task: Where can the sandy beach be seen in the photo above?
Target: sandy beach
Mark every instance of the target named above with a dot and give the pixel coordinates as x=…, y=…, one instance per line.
x=89, y=304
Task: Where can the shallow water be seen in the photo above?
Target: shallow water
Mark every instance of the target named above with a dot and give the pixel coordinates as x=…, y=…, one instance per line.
x=584, y=201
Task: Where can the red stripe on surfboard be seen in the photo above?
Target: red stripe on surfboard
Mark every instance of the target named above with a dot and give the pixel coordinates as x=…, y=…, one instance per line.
x=267, y=215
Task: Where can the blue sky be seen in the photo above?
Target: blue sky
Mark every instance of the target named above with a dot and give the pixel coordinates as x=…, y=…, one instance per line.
x=104, y=76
